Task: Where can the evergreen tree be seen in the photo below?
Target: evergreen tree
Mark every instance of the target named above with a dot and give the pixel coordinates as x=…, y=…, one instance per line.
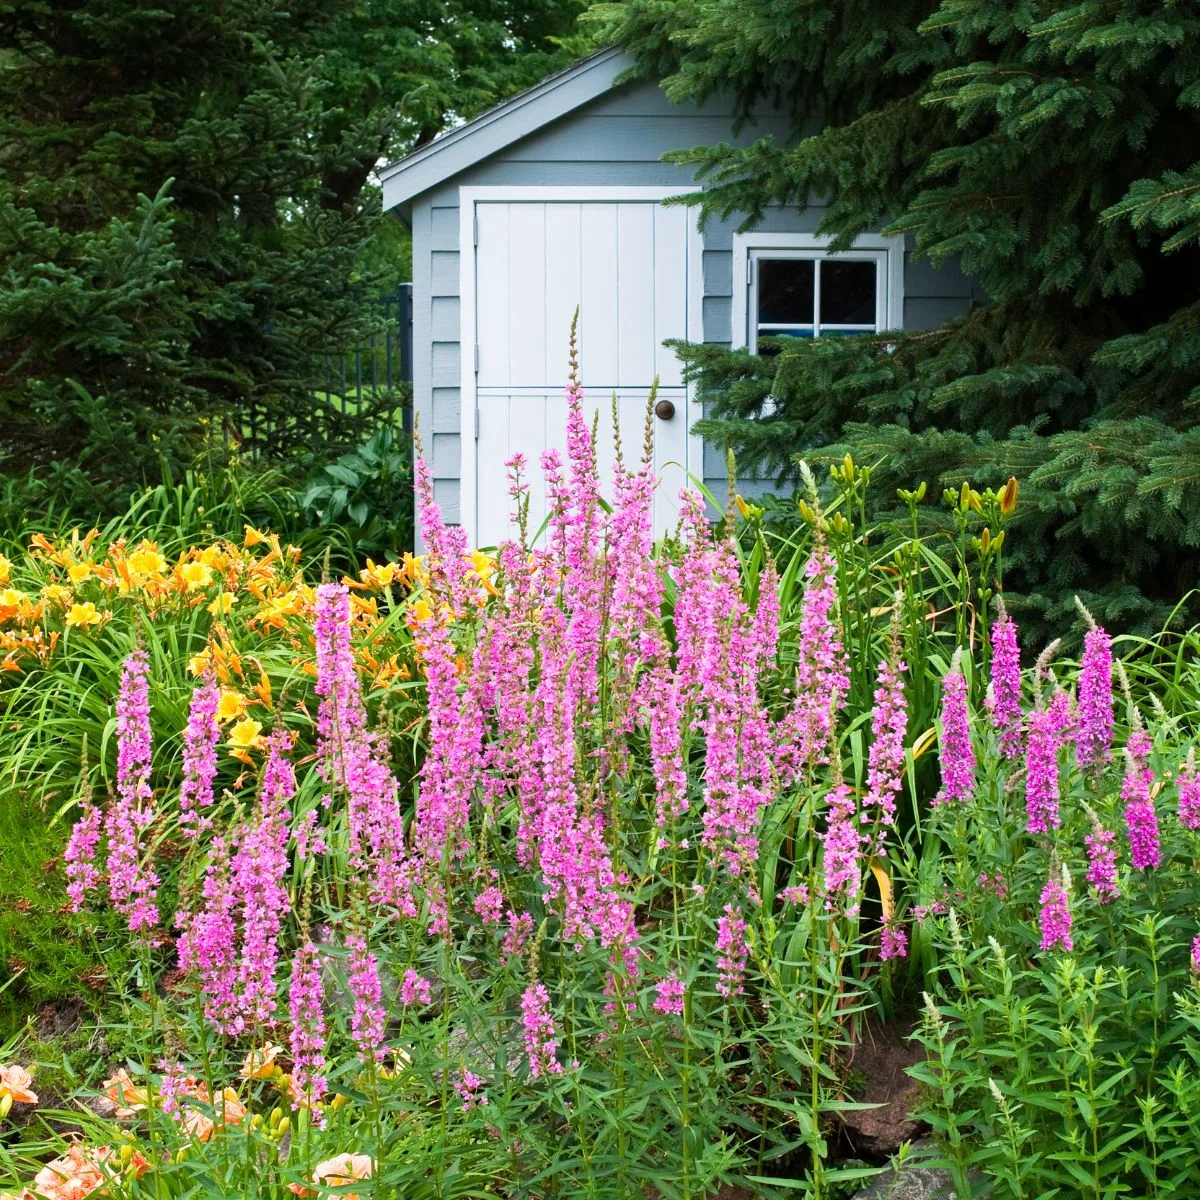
x=1053, y=147
x=185, y=199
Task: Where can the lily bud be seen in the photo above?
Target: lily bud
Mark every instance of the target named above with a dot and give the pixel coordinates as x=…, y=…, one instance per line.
x=1008, y=497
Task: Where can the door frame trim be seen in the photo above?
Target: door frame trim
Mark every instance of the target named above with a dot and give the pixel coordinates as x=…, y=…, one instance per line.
x=468, y=197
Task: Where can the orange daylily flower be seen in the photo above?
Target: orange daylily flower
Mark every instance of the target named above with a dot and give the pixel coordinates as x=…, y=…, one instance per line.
x=253, y=537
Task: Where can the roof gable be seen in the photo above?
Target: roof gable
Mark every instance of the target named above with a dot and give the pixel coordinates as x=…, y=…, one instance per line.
x=527, y=112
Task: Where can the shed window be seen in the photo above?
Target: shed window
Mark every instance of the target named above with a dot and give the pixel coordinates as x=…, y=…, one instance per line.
x=811, y=293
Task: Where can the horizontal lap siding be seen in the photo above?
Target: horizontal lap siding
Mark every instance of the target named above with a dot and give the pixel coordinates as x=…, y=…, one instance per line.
x=617, y=140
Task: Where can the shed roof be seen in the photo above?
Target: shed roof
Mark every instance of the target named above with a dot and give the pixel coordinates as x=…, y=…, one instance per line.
x=491, y=131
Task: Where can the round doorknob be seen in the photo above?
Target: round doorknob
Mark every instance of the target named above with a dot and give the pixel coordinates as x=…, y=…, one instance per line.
x=664, y=410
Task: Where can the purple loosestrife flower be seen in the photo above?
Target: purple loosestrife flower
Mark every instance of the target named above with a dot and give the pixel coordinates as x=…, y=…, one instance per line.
x=352, y=759
x=1141, y=820
x=958, y=755
x=259, y=879
x=1055, y=917
x=893, y=942
x=1004, y=696
x=1189, y=793
x=414, y=990
x=822, y=674
x=732, y=952
x=201, y=737
x=307, y=1037
x=1102, y=862
x=132, y=883
x=367, y=1020
x=83, y=847
x=843, y=849
x=541, y=1040
x=1093, y=737
x=469, y=1086
x=1041, y=770
x=1196, y=955
x=885, y=769
x=669, y=993
x=208, y=943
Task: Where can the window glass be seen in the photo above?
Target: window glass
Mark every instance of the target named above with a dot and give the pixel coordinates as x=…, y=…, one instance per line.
x=847, y=292
x=785, y=291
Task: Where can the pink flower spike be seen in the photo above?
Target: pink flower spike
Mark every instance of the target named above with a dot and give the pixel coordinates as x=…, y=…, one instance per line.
x=1141, y=819
x=1004, y=696
x=958, y=755
x=1093, y=739
x=541, y=1040
x=1055, y=918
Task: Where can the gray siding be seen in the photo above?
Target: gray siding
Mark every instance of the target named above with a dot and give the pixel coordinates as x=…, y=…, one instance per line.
x=618, y=139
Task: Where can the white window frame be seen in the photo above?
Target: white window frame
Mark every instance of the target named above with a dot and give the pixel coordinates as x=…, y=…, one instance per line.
x=748, y=248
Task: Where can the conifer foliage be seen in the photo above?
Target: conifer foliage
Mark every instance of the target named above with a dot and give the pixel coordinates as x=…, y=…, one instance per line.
x=185, y=197
x=1052, y=147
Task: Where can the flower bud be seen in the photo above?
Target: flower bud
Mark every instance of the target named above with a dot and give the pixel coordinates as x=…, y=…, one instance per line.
x=1008, y=497
x=5, y=1105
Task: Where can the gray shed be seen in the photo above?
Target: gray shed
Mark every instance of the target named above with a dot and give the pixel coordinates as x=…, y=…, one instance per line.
x=552, y=201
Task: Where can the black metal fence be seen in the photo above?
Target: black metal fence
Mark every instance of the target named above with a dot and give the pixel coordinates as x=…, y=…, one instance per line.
x=365, y=388
x=361, y=377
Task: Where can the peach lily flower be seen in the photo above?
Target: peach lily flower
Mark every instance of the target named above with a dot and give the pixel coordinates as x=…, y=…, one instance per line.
x=338, y=1172
x=15, y=1081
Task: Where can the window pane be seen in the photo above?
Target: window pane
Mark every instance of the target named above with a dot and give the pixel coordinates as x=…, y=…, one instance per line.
x=785, y=291
x=847, y=292
x=766, y=332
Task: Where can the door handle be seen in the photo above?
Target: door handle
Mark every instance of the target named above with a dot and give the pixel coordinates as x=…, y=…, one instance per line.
x=664, y=410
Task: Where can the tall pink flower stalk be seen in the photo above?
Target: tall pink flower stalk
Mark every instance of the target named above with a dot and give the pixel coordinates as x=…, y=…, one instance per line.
x=259, y=881
x=307, y=1039
x=541, y=1039
x=1188, y=783
x=368, y=1019
x=81, y=855
x=885, y=765
x=1102, y=863
x=822, y=673
x=1041, y=770
x=201, y=737
x=352, y=760
x=958, y=754
x=1093, y=737
x=732, y=952
x=1141, y=819
x=1004, y=695
x=843, y=843
x=208, y=943
x=132, y=882
x=1054, y=920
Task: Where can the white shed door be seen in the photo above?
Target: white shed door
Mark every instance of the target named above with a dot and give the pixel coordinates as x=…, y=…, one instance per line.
x=625, y=266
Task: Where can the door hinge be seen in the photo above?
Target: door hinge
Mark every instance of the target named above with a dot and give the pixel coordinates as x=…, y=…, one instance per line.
x=476, y=358
x=750, y=273
x=475, y=228
x=477, y=423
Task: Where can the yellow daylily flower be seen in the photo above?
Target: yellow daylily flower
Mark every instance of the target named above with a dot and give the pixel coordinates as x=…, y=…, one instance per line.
x=196, y=575
x=80, y=616
x=245, y=734
x=55, y=593
x=146, y=560
x=231, y=705
x=78, y=572
x=199, y=663
x=222, y=604
x=5, y=569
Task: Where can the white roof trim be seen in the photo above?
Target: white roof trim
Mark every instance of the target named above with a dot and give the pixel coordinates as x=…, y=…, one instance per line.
x=525, y=113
